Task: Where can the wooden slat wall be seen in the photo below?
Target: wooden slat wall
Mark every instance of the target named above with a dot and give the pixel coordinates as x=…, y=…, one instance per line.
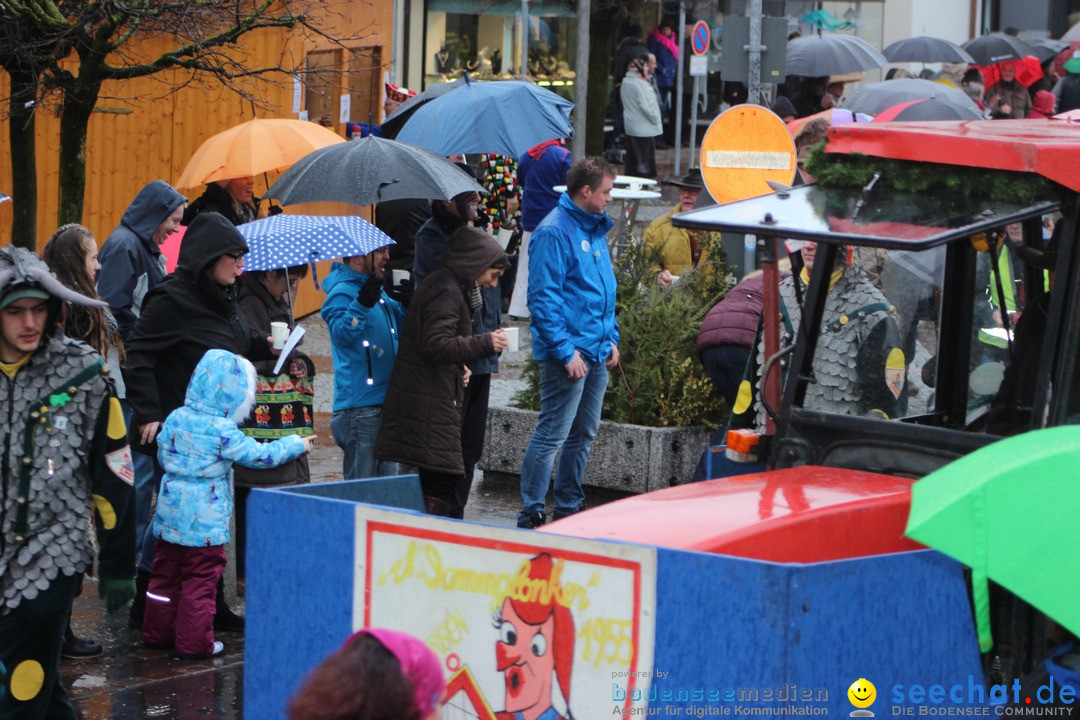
x=139, y=133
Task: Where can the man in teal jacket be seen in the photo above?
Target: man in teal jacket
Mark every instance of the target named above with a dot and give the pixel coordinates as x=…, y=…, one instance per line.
x=364, y=323
x=575, y=338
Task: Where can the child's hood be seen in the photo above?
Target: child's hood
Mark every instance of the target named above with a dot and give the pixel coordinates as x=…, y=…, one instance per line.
x=222, y=385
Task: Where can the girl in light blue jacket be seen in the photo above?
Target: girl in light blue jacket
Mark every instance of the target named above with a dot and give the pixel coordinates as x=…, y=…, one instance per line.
x=197, y=446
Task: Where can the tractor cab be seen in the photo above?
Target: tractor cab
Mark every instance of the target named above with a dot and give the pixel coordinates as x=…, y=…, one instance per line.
x=959, y=240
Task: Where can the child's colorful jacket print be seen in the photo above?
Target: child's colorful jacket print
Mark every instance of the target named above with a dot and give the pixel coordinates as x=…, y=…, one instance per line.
x=197, y=446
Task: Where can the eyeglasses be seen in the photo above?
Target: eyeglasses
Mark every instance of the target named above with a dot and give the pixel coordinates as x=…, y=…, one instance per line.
x=237, y=256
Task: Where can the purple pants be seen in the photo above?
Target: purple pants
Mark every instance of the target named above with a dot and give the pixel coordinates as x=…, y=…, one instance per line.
x=181, y=598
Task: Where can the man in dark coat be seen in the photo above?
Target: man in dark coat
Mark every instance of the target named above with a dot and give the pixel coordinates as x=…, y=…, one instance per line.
x=232, y=198
x=422, y=414
x=727, y=335
x=431, y=239
x=192, y=311
x=131, y=262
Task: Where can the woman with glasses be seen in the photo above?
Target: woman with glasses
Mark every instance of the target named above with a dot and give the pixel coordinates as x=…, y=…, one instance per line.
x=193, y=310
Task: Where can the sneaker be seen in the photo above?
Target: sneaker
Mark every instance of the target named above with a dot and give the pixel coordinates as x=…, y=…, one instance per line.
x=217, y=649
x=531, y=520
x=77, y=648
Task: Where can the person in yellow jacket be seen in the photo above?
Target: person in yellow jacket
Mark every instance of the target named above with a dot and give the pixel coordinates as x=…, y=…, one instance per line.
x=677, y=250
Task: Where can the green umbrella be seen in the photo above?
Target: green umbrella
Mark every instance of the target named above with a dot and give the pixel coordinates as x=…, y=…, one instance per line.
x=1010, y=512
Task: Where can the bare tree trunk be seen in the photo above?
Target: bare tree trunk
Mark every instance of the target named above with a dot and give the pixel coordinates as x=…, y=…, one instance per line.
x=23, y=189
x=79, y=101
x=601, y=47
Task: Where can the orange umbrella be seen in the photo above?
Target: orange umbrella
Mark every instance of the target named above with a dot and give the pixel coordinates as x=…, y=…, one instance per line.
x=254, y=147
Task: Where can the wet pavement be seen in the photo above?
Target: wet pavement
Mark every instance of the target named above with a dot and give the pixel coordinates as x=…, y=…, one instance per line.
x=131, y=682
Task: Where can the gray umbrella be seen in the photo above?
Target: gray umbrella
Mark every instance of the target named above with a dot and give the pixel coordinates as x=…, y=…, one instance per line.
x=997, y=47
x=371, y=170
x=1045, y=48
x=831, y=54
x=926, y=49
x=875, y=97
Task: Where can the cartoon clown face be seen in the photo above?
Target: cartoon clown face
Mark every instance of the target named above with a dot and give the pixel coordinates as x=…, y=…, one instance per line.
x=525, y=655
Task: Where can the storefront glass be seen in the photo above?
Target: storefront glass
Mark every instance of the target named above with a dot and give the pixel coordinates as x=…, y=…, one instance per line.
x=483, y=37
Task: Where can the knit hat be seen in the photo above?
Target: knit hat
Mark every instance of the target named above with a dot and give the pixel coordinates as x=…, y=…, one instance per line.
x=418, y=663
x=398, y=93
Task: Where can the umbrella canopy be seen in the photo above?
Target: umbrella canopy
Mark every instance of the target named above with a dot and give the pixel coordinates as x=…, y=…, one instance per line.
x=1064, y=56
x=253, y=147
x=1045, y=48
x=997, y=47
x=932, y=108
x=876, y=97
x=1009, y=512
x=831, y=54
x=371, y=170
x=835, y=116
x=393, y=124
x=505, y=117
x=1028, y=71
x=281, y=241
x=1072, y=33
x=926, y=49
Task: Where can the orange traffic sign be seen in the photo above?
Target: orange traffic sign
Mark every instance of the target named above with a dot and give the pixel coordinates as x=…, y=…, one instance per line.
x=745, y=147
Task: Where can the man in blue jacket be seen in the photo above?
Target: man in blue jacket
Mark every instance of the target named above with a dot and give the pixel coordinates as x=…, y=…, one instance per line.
x=364, y=323
x=575, y=338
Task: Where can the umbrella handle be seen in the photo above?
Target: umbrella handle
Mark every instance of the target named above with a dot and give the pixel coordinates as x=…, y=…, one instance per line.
x=980, y=580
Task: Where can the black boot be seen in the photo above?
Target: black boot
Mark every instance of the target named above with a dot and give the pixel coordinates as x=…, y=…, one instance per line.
x=138, y=604
x=225, y=620
x=77, y=648
x=435, y=506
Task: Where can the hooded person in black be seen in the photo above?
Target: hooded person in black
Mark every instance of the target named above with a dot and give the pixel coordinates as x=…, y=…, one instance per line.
x=421, y=416
x=190, y=312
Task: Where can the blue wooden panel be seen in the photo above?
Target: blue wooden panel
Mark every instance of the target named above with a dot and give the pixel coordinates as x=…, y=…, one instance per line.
x=398, y=491
x=902, y=618
x=299, y=595
x=720, y=626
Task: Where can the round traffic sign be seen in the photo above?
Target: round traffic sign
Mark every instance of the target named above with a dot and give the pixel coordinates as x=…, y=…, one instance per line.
x=744, y=147
x=699, y=39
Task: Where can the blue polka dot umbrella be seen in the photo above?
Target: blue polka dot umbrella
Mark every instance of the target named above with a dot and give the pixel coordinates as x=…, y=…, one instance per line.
x=281, y=241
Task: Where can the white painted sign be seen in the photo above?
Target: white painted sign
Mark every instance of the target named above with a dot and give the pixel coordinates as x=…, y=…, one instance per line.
x=699, y=65
x=297, y=94
x=523, y=622
x=346, y=108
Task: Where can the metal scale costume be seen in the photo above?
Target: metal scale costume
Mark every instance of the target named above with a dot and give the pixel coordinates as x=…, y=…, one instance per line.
x=858, y=366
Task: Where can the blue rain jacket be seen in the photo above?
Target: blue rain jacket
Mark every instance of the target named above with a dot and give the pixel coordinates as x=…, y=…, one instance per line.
x=197, y=446
x=572, y=286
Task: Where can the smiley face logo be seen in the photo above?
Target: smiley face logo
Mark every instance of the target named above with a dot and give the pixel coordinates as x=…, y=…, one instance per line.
x=862, y=694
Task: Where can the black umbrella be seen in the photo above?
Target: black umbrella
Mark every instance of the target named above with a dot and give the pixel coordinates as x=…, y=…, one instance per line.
x=393, y=124
x=831, y=54
x=997, y=47
x=371, y=170
x=1045, y=48
x=876, y=97
x=926, y=49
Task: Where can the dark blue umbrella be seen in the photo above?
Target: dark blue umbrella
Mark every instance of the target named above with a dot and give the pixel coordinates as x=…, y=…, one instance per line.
x=507, y=117
x=281, y=241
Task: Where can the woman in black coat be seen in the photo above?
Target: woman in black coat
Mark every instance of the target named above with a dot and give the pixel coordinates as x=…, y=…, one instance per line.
x=191, y=311
x=422, y=412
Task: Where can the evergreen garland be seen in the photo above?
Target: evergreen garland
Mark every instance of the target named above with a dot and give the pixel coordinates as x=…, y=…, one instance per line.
x=857, y=169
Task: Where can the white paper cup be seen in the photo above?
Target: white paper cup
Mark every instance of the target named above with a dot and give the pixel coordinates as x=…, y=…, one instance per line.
x=280, y=333
x=397, y=277
x=511, y=334
x=503, y=237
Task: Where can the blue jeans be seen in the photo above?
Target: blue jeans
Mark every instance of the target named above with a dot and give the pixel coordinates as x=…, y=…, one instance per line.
x=569, y=418
x=355, y=431
x=148, y=476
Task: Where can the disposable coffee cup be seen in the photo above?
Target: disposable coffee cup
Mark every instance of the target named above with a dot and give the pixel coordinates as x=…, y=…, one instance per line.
x=280, y=333
x=511, y=334
x=503, y=237
x=397, y=277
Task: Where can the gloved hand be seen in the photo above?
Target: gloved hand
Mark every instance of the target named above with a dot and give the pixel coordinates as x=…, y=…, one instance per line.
x=369, y=294
x=116, y=592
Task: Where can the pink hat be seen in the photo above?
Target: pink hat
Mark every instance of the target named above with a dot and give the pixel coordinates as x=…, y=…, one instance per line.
x=418, y=663
x=398, y=93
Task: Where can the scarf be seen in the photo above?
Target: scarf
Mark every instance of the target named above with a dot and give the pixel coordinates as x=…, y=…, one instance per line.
x=667, y=42
x=476, y=300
